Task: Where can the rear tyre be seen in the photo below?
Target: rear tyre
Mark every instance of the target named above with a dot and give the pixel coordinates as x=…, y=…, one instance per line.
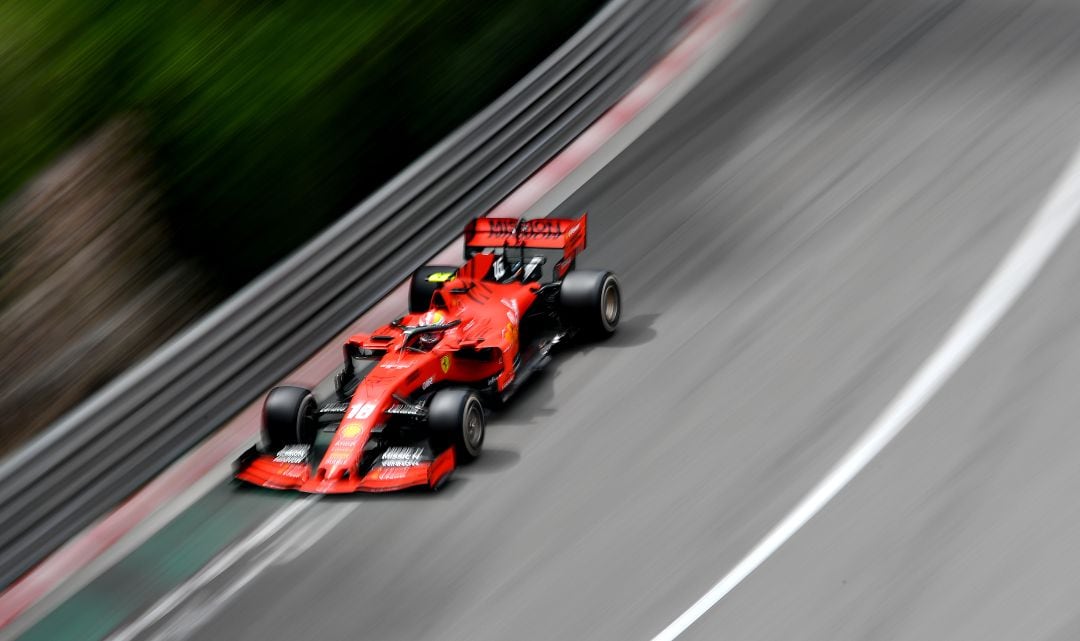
x=289, y=418
x=424, y=282
x=592, y=302
x=456, y=417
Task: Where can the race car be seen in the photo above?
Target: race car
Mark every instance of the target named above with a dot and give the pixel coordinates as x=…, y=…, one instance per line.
x=411, y=402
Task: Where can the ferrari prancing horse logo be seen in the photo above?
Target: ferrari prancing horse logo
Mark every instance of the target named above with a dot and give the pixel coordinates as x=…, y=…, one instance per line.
x=444, y=363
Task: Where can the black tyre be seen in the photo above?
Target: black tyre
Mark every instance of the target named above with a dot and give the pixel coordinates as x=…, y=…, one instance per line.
x=456, y=417
x=592, y=301
x=289, y=418
x=424, y=282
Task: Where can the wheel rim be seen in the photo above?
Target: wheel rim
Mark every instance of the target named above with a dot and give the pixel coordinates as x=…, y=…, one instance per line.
x=474, y=427
x=610, y=306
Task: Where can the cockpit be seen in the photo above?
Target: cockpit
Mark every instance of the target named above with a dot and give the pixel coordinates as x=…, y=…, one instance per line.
x=422, y=338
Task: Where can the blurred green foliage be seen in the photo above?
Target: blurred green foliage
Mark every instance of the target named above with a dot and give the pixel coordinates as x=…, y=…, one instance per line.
x=267, y=118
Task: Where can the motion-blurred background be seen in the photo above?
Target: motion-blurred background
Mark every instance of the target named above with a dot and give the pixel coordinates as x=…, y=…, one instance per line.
x=154, y=157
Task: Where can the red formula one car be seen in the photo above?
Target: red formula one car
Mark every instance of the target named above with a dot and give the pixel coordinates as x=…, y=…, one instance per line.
x=409, y=404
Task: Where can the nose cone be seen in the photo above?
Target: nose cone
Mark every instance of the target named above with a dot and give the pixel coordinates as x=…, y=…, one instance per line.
x=332, y=472
x=343, y=455
x=332, y=478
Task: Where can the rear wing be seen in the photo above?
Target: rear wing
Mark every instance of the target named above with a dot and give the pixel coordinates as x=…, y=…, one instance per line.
x=538, y=233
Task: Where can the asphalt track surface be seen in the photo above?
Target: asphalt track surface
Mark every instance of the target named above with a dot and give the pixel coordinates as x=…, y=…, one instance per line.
x=793, y=239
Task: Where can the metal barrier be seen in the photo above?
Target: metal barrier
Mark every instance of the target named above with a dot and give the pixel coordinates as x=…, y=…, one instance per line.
x=123, y=436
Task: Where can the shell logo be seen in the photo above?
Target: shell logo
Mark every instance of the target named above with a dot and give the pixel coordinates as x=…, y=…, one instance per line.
x=352, y=430
x=444, y=363
x=510, y=334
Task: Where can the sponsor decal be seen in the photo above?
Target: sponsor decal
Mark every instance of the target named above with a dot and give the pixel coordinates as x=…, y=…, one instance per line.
x=426, y=384
x=541, y=227
x=393, y=365
x=334, y=408
x=391, y=473
x=537, y=227
x=499, y=227
x=361, y=411
x=292, y=454
x=337, y=456
x=440, y=277
x=444, y=363
x=352, y=430
x=510, y=334
x=401, y=457
x=291, y=472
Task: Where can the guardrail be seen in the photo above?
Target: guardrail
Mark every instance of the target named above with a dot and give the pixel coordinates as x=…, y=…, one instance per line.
x=123, y=436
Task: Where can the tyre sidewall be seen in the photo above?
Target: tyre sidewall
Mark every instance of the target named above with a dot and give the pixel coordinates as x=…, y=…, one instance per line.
x=585, y=297
x=287, y=419
x=449, y=418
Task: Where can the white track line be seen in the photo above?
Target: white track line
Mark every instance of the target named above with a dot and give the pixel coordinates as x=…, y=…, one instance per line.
x=1055, y=219
x=220, y=564
x=285, y=551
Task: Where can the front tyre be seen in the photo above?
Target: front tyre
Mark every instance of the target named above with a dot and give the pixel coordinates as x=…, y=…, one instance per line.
x=289, y=418
x=456, y=416
x=592, y=301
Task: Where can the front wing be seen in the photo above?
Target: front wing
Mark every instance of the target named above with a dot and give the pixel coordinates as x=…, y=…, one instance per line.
x=395, y=469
